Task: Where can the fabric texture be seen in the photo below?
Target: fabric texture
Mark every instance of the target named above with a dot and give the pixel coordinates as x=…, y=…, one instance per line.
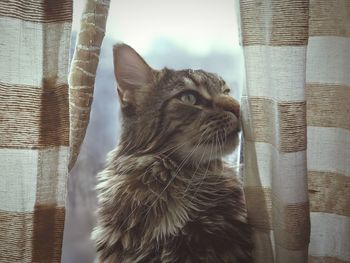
x=296, y=118
x=83, y=71
x=34, y=128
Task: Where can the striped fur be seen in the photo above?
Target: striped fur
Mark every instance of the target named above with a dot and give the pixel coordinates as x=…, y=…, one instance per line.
x=166, y=195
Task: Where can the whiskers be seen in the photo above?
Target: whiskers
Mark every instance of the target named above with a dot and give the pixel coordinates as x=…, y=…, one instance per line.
x=204, y=174
x=168, y=151
x=181, y=165
x=198, y=174
x=217, y=146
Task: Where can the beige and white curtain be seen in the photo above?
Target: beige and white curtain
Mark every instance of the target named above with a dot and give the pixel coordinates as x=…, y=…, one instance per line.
x=296, y=114
x=296, y=121
x=34, y=128
x=35, y=123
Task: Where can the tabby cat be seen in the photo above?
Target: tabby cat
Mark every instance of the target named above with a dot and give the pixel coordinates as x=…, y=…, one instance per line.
x=166, y=195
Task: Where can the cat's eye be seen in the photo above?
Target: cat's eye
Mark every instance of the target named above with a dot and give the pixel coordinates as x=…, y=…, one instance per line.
x=227, y=91
x=189, y=98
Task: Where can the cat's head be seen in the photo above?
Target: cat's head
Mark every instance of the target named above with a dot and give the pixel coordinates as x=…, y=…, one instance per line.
x=188, y=114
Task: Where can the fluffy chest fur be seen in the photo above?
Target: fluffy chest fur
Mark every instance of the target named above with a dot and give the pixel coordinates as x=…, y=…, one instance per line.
x=154, y=210
x=165, y=195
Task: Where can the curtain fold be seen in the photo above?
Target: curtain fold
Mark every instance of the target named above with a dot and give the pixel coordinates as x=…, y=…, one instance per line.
x=296, y=119
x=83, y=71
x=42, y=120
x=34, y=128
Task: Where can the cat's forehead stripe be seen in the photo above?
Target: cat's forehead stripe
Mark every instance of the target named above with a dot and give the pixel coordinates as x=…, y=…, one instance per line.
x=188, y=81
x=190, y=84
x=204, y=92
x=210, y=79
x=197, y=76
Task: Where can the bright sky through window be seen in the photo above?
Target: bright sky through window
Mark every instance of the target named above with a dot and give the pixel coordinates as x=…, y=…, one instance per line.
x=198, y=26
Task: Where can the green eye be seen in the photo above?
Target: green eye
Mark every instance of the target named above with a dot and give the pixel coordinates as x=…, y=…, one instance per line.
x=189, y=98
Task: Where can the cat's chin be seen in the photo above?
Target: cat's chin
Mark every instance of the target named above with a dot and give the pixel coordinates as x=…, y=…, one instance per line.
x=213, y=151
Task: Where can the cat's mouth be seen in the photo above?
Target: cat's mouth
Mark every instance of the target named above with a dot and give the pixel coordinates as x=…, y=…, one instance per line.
x=215, y=145
x=220, y=138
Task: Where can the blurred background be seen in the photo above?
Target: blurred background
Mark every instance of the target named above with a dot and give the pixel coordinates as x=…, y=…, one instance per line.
x=176, y=34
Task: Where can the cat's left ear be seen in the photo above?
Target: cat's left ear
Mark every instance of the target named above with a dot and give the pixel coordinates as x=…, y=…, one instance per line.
x=133, y=75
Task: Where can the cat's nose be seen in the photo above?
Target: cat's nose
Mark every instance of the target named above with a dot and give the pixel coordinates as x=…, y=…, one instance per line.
x=228, y=104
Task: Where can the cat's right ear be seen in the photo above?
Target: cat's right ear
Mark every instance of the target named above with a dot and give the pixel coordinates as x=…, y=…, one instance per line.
x=133, y=75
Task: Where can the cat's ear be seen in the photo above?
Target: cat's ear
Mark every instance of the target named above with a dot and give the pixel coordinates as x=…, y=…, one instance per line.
x=132, y=73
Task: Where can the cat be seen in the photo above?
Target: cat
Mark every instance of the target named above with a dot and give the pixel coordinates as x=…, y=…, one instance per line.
x=166, y=195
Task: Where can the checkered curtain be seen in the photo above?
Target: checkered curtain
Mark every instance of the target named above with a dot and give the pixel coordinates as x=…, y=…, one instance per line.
x=36, y=107
x=296, y=118
x=34, y=128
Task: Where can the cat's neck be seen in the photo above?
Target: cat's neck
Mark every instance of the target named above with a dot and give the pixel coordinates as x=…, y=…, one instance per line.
x=216, y=166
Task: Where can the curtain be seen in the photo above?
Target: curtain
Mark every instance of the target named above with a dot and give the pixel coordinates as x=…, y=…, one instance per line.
x=34, y=128
x=83, y=71
x=36, y=106
x=296, y=118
